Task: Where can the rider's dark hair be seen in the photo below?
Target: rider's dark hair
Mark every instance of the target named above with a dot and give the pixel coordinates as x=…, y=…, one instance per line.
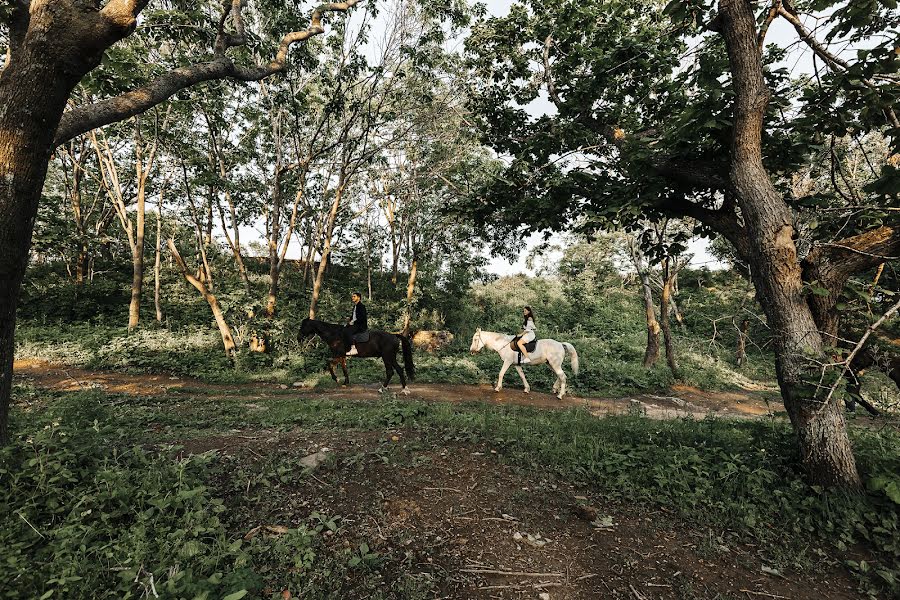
x=356, y=294
x=530, y=315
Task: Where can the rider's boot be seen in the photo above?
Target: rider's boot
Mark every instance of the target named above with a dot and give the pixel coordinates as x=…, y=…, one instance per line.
x=353, y=351
x=524, y=358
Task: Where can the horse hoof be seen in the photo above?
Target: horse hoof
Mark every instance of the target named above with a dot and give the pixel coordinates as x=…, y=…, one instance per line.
x=496, y=389
x=405, y=391
x=525, y=391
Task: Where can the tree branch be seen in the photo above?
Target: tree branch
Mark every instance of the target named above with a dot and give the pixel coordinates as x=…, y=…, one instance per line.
x=857, y=253
x=770, y=16
x=84, y=118
x=121, y=16
x=835, y=62
x=862, y=342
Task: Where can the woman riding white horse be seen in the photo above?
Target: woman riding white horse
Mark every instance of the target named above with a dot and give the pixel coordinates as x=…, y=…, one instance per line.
x=546, y=351
x=527, y=335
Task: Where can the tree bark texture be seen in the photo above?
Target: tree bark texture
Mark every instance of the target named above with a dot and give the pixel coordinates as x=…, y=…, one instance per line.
x=825, y=448
x=157, y=284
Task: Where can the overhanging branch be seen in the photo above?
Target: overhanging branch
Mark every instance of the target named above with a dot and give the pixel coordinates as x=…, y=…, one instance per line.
x=128, y=104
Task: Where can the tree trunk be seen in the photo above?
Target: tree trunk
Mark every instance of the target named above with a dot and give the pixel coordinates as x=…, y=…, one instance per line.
x=157, y=302
x=410, y=288
x=326, y=251
x=741, y=357
x=664, y=300
x=369, y=273
x=651, y=354
x=137, y=265
x=825, y=449
x=218, y=315
x=274, y=276
x=34, y=88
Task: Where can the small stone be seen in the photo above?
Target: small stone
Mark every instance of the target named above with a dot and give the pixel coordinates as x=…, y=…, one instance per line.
x=297, y=384
x=283, y=386
x=313, y=461
x=544, y=596
x=395, y=438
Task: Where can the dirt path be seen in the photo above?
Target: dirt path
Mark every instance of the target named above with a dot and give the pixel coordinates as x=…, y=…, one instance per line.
x=678, y=402
x=457, y=516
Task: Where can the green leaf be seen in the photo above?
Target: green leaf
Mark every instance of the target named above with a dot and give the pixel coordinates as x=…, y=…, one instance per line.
x=236, y=596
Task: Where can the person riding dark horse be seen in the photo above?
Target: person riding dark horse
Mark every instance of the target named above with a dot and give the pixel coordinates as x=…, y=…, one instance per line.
x=381, y=344
x=357, y=323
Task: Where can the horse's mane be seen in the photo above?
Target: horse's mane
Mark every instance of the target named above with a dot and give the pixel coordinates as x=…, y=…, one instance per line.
x=497, y=333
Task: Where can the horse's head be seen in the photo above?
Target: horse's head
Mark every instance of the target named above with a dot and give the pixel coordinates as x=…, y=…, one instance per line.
x=477, y=342
x=307, y=327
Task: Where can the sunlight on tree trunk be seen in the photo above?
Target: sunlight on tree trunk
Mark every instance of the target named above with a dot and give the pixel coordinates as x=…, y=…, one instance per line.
x=218, y=314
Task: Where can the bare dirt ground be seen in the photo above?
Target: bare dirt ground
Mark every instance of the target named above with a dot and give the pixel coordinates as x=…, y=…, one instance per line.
x=680, y=401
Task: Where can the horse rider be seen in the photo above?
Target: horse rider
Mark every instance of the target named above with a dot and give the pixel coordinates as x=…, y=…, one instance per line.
x=527, y=334
x=357, y=323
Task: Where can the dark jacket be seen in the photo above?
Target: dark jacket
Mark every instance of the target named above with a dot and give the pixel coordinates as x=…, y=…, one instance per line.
x=362, y=322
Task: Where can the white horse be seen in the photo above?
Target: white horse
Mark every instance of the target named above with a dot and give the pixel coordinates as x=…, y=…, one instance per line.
x=546, y=351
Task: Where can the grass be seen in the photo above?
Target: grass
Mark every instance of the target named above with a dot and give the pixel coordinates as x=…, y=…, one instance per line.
x=89, y=478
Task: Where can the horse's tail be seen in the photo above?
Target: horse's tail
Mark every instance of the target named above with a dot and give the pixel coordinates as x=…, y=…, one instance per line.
x=407, y=357
x=573, y=354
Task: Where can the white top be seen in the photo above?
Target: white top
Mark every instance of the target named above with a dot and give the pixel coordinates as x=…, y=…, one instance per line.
x=529, y=326
x=353, y=320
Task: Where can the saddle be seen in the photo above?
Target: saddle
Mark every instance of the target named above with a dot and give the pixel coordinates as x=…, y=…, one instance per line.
x=529, y=347
x=361, y=338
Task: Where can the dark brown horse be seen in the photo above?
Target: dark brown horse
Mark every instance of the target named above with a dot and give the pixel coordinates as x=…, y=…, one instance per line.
x=381, y=344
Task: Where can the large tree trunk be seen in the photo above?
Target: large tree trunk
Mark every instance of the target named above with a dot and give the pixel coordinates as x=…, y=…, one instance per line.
x=218, y=314
x=34, y=88
x=825, y=449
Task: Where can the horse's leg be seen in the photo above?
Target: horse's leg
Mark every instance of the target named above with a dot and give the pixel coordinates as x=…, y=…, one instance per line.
x=331, y=368
x=343, y=360
x=400, y=373
x=557, y=368
x=524, y=381
x=500, y=377
x=388, y=371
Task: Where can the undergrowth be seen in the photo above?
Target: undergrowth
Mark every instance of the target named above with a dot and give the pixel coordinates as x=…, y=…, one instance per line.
x=83, y=509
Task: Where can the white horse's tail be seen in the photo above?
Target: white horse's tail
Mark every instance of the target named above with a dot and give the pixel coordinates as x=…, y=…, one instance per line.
x=573, y=354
